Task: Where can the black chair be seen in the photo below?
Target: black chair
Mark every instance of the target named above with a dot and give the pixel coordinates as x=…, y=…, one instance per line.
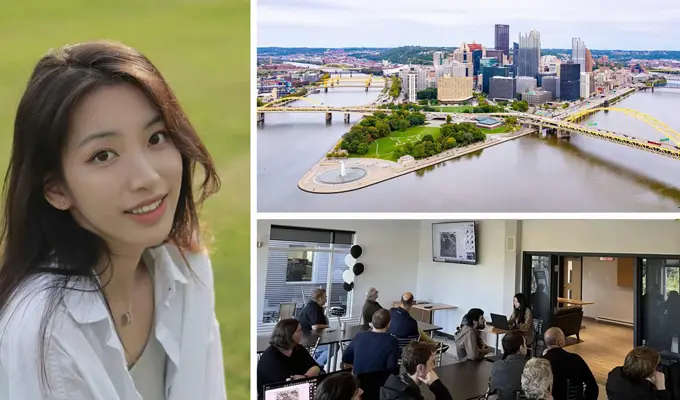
x=520, y=395
x=404, y=341
x=371, y=382
x=538, y=338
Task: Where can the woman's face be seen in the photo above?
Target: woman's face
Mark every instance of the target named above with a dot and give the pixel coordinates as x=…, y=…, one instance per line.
x=122, y=172
x=515, y=302
x=297, y=335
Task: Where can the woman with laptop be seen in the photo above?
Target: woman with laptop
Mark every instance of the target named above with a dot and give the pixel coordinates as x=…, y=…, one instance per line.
x=521, y=318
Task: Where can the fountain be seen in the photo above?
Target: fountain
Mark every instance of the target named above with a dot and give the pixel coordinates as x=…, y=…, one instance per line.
x=341, y=175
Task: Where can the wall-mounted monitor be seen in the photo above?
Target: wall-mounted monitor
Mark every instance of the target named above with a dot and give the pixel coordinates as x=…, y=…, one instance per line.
x=454, y=242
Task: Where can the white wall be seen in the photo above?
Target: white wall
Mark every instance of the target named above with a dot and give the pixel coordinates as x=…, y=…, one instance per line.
x=602, y=236
x=489, y=285
x=390, y=256
x=599, y=285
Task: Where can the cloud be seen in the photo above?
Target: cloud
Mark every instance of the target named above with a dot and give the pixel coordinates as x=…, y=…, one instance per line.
x=398, y=22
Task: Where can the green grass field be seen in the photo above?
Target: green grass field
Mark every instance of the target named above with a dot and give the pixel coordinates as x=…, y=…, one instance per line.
x=384, y=147
x=456, y=109
x=500, y=129
x=202, y=49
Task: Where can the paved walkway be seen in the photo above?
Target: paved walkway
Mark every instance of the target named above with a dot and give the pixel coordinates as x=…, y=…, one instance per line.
x=378, y=170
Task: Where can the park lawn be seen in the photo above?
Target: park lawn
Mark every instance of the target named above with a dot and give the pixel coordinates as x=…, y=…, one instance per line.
x=456, y=109
x=384, y=147
x=500, y=129
x=202, y=49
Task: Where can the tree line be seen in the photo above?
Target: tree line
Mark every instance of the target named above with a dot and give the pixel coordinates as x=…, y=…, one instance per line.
x=376, y=126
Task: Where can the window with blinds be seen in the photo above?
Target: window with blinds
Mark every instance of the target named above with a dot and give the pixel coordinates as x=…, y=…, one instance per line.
x=301, y=260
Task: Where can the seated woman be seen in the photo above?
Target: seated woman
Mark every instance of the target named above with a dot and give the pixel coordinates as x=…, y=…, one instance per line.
x=342, y=386
x=506, y=373
x=469, y=344
x=638, y=378
x=522, y=318
x=537, y=379
x=285, y=359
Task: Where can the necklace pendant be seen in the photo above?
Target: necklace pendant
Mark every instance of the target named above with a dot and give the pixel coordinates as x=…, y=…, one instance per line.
x=127, y=318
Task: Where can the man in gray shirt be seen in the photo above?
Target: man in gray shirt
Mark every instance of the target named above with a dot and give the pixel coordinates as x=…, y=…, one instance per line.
x=370, y=306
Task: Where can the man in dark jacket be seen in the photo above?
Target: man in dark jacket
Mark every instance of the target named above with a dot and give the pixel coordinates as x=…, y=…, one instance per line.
x=370, y=306
x=638, y=378
x=418, y=362
x=567, y=366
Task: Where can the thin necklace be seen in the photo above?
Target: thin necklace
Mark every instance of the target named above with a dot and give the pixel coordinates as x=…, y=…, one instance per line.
x=127, y=316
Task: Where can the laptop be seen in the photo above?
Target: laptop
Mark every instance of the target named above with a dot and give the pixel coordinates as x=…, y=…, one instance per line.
x=300, y=389
x=499, y=321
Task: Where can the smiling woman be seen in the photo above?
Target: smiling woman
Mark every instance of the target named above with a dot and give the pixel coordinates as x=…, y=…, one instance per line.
x=105, y=291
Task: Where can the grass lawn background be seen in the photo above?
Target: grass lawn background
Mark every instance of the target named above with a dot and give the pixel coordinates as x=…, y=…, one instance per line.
x=202, y=48
x=382, y=148
x=457, y=109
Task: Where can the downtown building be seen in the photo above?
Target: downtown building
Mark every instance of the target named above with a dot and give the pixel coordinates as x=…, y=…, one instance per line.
x=502, y=38
x=490, y=72
x=551, y=84
x=529, y=54
x=536, y=97
x=578, y=53
x=454, y=89
x=525, y=84
x=570, y=81
x=502, y=88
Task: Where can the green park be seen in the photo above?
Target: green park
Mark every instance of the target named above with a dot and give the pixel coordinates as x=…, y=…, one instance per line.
x=200, y=49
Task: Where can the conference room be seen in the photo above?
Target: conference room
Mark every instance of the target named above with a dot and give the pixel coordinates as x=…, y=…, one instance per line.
x=587, y=277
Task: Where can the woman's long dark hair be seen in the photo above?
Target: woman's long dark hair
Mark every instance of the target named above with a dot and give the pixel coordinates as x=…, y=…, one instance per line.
x=36, y=235
x=341, y=386
x=523, y=305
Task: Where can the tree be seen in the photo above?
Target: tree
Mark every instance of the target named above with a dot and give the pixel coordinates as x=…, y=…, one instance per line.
x=565, y=105
x=419, y=151
x=428, y=138
x=260, y=103
x=362, y=149
x=521, y=106
x=382, y=129
x=429, y=93
x=448, y=118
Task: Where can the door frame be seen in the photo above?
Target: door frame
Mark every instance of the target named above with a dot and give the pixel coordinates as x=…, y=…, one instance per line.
x=637, y=276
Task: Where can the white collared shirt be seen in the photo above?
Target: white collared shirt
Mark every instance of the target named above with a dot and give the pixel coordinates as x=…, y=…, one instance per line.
x=84, y=358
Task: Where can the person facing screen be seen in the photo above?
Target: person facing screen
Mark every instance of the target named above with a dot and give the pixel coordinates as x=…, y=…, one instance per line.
x=285, y=359
x=374, y=350
x=106, y=290
x=638, y=378
x=506, y=373
x=341, y=386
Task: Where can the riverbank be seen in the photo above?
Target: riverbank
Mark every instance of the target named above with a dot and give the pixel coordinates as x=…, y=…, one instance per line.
x=377, y=170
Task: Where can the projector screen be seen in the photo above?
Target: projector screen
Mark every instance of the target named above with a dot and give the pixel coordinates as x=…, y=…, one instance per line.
x=454, y=242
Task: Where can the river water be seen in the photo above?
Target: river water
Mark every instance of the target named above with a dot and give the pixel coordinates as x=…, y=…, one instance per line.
x=530, y=174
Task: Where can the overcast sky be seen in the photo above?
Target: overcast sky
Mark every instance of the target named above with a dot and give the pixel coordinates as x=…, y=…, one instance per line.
x=608, y=24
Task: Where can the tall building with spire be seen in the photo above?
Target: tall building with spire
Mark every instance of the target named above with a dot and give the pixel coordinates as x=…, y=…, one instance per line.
x=529, y=54
x=578, y=52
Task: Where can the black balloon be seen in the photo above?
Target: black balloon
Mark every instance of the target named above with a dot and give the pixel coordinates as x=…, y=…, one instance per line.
x=355, y=251
x=358, y=269
x=348, y=286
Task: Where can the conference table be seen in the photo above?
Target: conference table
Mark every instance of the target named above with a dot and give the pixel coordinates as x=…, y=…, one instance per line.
x=465, y=381
x=333, y=338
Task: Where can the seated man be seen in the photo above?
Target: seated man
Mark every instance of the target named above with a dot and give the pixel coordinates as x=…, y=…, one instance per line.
x=374, y=350
x=403, y=325
x=312, y=317
x=469, y=343
x=567, y=366
x=418, y=361
x=370, y=306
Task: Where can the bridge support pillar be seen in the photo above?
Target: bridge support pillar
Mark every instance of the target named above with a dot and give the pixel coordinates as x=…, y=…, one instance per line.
x=329, y=117
x=563, y=134
x=350, y=74
x=346, y=118
x=260, y=118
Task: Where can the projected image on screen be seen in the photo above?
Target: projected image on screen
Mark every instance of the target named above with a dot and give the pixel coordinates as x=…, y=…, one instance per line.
x=454, y=242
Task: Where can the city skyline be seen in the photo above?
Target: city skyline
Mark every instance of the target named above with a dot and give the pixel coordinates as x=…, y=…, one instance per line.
x=323, y=23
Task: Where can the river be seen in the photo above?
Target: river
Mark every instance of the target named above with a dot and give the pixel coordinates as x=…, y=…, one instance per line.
x=531, y=174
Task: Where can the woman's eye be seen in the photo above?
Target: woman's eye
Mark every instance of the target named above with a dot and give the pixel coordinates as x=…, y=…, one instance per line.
x=158, y=138
x=103, y=156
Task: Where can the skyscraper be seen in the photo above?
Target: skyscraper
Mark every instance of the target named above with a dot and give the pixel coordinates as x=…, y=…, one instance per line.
x=502, y=41
x=570, y=81
x=589, y=61
x=529, y=54
x=578, y=53
x=437, y=58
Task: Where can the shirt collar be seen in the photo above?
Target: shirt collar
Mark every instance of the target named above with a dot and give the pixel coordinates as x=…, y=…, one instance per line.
x=86, y=304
